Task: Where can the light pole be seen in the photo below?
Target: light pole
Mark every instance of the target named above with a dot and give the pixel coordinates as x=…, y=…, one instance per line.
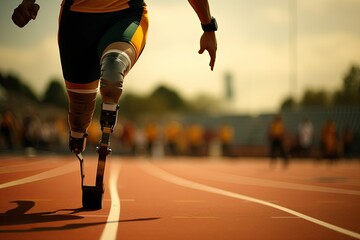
x=293, y=81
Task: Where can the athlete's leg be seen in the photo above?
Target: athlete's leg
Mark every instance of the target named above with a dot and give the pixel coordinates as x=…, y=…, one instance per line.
x=82, y=100
x=119, y=48
x=80, y=66
x=116, y=61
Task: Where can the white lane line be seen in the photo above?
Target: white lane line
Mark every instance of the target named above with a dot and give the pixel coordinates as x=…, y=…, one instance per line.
x=232, y=178
x=112, y=222
x=159, y=173
x=70, y=167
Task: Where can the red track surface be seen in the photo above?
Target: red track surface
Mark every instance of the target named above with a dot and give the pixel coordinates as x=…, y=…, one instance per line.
x=180, y=198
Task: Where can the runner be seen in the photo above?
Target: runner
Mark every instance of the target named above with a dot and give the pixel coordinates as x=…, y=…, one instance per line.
x=99, y=42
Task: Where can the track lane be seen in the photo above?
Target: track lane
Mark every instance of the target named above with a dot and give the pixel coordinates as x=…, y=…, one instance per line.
x=326, y=203
x=112, y=223
x=152, y=208
x=165, y=175
x=51, y=208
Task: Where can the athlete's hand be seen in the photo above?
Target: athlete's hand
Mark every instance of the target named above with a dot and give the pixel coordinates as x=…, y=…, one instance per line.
x=208, y=42
x=26, y=11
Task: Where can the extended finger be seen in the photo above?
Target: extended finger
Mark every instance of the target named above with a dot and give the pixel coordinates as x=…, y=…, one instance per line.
x=201, y=50
x=212, y=63
x=212, y=59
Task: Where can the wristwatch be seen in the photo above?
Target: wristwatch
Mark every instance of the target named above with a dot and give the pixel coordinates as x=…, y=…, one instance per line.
x=210, y=27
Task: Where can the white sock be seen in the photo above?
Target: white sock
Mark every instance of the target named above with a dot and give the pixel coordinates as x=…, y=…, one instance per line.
x=76, y=134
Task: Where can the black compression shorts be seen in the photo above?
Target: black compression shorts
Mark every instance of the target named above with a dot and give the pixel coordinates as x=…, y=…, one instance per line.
x=82, y=38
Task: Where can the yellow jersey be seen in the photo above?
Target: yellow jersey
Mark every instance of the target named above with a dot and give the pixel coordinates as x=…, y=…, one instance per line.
x=102, y=6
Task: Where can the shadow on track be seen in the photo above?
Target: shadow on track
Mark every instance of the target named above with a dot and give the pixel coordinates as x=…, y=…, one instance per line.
x=18, y=216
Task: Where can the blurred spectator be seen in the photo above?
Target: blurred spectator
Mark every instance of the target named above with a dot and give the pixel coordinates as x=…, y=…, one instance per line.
x=329, y=140
x=182, y=144
x=7, y=129
x=210, y=137
x=94, y=135
x=140, y=141
x=276, y=134
x=61, y=126
x=347, y=139
x=128, y=136
x=226, y=135
x=151, y=133
x=195, y=139
x=305, y=137
x=46, y=135
x=31, y=132
x=172, y=135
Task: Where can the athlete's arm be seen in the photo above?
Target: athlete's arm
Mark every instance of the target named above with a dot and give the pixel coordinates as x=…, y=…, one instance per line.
x=26, y=11
x=208, y=39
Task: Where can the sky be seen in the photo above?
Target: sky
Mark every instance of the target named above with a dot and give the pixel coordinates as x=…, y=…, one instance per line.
x=253, y=47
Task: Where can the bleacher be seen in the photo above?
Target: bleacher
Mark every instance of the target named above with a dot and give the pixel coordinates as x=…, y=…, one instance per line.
x=251, y=130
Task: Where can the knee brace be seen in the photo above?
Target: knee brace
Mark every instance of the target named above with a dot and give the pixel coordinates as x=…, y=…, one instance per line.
x=114, y=66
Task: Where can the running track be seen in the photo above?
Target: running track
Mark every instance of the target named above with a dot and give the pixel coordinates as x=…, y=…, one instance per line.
x=180, y=198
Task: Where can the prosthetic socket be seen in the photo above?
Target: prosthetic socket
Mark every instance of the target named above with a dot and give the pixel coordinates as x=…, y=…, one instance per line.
x=114, y=66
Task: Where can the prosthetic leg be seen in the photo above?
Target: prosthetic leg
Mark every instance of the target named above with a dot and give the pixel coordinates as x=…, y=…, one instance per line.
x=92, y=195
x=114, y=66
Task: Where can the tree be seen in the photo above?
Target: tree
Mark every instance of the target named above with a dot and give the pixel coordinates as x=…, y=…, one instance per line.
x=165, y=99
x=349, y=94
x=14, y=85
x=55, y=94
x=315, y=98
x=205, y=104
x=132, y=105
x=288, y=104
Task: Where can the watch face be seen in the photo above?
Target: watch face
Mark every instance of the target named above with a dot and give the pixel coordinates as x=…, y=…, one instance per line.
x=213, y=21
x=212, y=26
